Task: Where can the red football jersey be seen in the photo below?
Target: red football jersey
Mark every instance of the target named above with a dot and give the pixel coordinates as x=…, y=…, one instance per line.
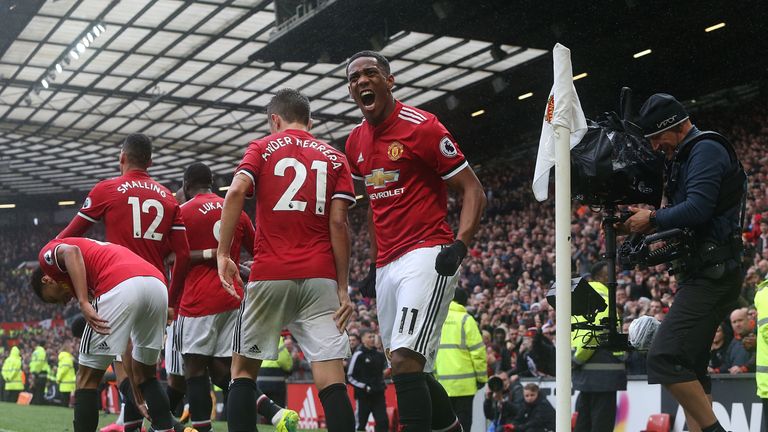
x=295, y=177
x=203, y=294
x=138, y=212
x=404, y=163
x=106, y=264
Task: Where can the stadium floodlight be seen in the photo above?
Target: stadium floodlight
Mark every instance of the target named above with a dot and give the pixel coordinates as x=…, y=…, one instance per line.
x=66, y=203
x=44, y=83
x=642, y=53
x=74, y=54
x=7, y=206
x=525, y=96
x=223, y=188
x=58, y=68
x=712, y=28
x=80, y=47
x=580, y=76
x=478, y=113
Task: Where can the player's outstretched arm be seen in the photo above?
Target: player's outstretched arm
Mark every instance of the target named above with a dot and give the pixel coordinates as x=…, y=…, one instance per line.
x=230, y=214
x=339, y=230
x=181, y=264
x=472, y=205
x=73, y=261
x=76, y=228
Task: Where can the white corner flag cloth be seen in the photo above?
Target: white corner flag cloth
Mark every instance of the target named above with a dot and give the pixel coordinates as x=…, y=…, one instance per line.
x=563, y=109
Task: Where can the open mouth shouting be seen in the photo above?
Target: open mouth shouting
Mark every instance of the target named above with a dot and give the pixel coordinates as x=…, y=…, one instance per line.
x=368, y=99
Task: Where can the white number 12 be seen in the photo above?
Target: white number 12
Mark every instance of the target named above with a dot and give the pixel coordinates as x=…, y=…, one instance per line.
x=137, y=208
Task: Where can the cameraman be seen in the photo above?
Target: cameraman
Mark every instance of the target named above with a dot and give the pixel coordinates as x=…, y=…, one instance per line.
x=705, y=186
x=504, y=399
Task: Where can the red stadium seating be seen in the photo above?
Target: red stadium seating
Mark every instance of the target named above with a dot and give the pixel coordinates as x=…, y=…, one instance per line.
x=658, y=423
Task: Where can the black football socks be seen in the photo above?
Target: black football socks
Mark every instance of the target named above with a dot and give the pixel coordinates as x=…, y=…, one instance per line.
x=241, y=417
x=414, y=402
x=157, y=404
x=443, y=417
x=200, y=403
x=336, y=400
x=86, y=410
x=132, y=418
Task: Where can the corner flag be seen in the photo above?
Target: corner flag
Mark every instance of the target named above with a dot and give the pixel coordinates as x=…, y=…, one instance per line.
x=563, y=109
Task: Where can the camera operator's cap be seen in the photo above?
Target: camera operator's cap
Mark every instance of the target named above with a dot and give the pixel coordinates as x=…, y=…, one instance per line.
x=659, y=113
x=642, y=331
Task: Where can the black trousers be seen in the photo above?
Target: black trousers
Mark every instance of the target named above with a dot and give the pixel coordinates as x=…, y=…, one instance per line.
x=462, y=406
x=372, y=403
x=12, y=395
x=38, y=389
x=597, y=412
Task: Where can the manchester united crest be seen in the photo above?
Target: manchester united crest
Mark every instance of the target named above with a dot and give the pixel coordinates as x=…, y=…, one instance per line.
x=395, y=150
x=550, y=109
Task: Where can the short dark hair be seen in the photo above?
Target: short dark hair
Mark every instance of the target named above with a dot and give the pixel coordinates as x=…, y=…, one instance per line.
x=364, y=332
x=380, y=59
x=36, y=282
x=531, y=387
x=597, y=268
x=291, y=105
x=197, y=175
x=138, y=149
x=460, y=296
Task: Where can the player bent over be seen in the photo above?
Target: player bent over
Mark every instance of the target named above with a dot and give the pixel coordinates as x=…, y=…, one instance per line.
x=123, y=299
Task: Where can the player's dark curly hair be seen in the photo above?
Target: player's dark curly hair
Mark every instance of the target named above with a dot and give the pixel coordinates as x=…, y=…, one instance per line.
x=138, y=148
x=36, y=282
x=197, y=176
x=380, y=59
x=291, y=105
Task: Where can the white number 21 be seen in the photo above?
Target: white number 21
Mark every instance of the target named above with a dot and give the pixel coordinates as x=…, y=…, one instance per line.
x=286, y=201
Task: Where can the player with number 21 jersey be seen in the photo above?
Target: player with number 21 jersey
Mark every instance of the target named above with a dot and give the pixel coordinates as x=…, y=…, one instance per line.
x=294, y=203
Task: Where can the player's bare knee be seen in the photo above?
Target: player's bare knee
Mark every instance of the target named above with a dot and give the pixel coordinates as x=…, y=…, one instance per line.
x=195, y=365
x=88, y=378
x=406, y=361
x=328, y=372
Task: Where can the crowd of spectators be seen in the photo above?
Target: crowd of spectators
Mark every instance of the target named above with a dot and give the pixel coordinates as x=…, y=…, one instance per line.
x=510, y=264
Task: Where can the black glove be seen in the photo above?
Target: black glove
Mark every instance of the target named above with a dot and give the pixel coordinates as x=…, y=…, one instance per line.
x=368, y=284
x=449, y=259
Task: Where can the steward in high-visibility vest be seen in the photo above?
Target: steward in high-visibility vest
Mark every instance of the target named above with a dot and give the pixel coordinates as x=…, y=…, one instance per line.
x=12, y=375
x=461, y=365
x=597, y=373
x=66, y=376
x=761, y=369
x=39, y=369
x=273, y=373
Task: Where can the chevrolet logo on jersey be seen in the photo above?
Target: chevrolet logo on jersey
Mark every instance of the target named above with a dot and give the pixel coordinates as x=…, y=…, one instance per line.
x=379, y=178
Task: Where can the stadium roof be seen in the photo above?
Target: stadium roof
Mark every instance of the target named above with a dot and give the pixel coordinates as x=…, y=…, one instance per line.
x=196, y=75
x=83, y=74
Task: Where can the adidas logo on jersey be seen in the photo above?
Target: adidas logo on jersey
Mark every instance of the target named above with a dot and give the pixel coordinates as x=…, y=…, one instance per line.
x=102, y=346
x=254, y=349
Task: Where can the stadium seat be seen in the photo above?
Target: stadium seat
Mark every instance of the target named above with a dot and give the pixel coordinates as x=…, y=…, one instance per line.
x=574, y=417
x=657, y=423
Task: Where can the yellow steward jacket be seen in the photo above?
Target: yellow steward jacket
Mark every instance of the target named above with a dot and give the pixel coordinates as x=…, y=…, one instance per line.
x=761, y=369
x=277, y=370
x=461, y=362
x=65, y=372
x=12, y=374
x=38, y=363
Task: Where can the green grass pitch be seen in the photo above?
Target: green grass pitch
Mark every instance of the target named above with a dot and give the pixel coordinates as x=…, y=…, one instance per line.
x=21, y=418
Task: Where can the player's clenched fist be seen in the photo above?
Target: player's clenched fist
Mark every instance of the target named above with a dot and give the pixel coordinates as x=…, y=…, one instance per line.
x=368, y=284
x=449, y=259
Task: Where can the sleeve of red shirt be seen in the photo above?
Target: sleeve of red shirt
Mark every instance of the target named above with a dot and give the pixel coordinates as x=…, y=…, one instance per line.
x=251, y=165
x=249, y=233
x=91, y=212
x=48, y=262
x=180, y=247
x=344, y=187
x=437, y=148
x=349, y=149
